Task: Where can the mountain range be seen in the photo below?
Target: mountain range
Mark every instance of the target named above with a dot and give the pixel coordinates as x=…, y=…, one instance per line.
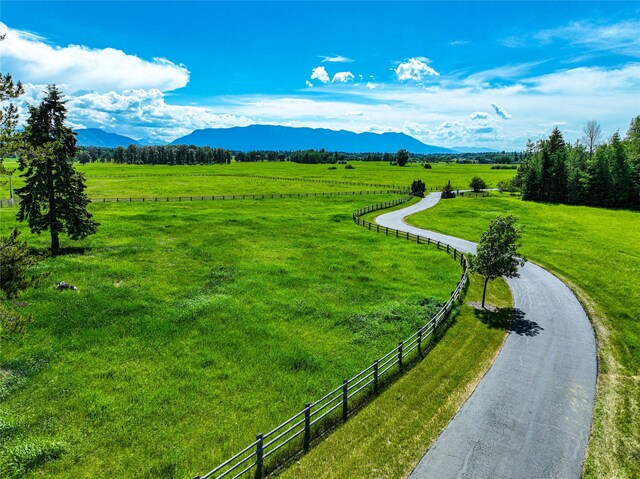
x=280, y=138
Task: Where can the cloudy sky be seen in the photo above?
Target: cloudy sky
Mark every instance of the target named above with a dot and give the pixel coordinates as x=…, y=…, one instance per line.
x=489, y=74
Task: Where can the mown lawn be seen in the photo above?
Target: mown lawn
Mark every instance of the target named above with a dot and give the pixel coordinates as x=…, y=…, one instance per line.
x=196, y=326
x=597, y=251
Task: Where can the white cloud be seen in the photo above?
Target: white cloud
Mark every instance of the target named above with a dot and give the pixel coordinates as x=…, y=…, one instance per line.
x=457, y=43
x=371, y=86
x=309, y=84
x=79, y=67
x=342, y=77
x=622, y=37
x=319, y=73
x=479, y=115
x=141, y=113
x=336, y=59
x=414, y=69
x=501, y=112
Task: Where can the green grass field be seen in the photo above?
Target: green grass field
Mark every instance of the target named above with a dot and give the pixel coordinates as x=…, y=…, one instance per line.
x=390, y=436
x=172, y=180
x=197, y=325
x=597, y=251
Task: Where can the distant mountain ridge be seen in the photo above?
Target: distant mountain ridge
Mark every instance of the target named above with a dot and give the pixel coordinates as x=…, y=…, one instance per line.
x=280, y=138
x=98, y=137
x=286, y=138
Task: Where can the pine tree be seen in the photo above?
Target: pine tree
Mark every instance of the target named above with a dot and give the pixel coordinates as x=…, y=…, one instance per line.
x=621, y=173
x=53, y=197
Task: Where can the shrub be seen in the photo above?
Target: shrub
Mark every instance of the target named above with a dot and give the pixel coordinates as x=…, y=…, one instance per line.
x=15, y=259
x=427, y=166
x=349, y=167
x=477, y=184
x=417, y=188
x=447, y=191
x=332, y=168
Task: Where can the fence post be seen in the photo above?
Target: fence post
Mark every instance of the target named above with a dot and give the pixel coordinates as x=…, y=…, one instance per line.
x=400, y=355
x=455, y=253
x=376, y=387
x=259, y=457
x=377, y=228
x=345, y=396
x=418, y=239
x=386, y=230
x=396, y=233
x=307, y=426
x=447, y=248
x=407, y=235
x=420, y=340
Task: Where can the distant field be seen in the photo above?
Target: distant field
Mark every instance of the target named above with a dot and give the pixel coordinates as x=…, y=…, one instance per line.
x=197, y=325
x=598, y=251
x=168, y=180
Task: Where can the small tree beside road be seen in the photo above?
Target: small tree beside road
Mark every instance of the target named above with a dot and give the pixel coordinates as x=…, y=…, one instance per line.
x=477, y=184
x=418, y=188
x=497, y=253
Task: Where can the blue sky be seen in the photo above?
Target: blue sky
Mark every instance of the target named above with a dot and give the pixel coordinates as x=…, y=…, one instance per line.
x=449, y=73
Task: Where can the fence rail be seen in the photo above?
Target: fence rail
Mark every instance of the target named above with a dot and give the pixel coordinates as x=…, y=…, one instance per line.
x=264, y=177
x=170, y=199
x=295, y=434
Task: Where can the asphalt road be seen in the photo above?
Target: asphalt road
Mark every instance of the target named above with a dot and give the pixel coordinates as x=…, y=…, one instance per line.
x=530, y=415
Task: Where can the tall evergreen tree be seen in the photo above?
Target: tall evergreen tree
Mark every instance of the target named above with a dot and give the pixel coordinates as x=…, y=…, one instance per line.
x=557, y=173
x=622, y=187
x=53, y=196
x=599, y=178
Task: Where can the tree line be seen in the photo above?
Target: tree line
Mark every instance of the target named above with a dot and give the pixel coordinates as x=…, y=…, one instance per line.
x=205, y=155
x=589, y=172
x=154, y=155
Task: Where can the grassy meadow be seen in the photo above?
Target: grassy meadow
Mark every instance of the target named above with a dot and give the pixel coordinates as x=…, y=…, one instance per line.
x=390, y=436
x=163, y=180
x=597, y=252
x=196, y=326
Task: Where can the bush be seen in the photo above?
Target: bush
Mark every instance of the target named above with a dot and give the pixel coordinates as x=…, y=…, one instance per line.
x=477, y=184
x=349, y=167
x=417, y=188
x=447, y=191
x=332, y=168
x=15, y=259
x=427, y=166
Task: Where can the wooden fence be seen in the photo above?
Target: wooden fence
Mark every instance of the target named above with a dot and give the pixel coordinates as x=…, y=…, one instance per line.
x=170, y=199
x=295, y=434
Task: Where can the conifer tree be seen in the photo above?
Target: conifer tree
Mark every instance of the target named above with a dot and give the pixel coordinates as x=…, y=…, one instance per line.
x=53, y=196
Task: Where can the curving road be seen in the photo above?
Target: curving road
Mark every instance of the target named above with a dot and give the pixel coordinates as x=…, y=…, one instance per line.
x=530, y=415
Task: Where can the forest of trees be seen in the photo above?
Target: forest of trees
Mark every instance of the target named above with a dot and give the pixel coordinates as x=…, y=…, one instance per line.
x=590, y=172
x=155, y=155
x=205, y=155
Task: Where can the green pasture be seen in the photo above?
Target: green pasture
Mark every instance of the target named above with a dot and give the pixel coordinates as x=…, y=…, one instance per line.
x=598, y=252
x=198, y=325
x=390, y=436
x=158, y=180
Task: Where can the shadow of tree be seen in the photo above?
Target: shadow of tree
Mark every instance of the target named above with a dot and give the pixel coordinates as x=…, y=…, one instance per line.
x=524, y=327
x=509, y=319
x=70, y=250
